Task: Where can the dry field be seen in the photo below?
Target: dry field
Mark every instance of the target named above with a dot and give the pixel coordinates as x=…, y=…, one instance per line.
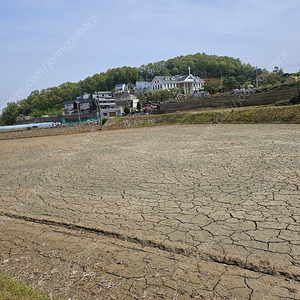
x=175, y=212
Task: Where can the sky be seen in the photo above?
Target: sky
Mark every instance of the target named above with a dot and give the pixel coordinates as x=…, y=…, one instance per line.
x=48, y=42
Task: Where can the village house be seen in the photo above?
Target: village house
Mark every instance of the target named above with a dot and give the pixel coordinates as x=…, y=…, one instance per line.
x=121, y=88
x=83, y=103
x=142, y=87
x=127, y=100
x=107, y=104
x=292, y=79
x=88, y=103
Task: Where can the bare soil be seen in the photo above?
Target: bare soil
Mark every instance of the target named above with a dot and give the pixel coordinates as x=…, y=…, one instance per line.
x=47, y=131
x=176, y=212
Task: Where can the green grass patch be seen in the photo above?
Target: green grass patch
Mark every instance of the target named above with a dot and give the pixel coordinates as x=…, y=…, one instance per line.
x=11, y=289
x=245, y=115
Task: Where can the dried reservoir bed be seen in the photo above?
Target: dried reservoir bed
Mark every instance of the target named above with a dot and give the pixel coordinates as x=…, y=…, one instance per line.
x=175, y=212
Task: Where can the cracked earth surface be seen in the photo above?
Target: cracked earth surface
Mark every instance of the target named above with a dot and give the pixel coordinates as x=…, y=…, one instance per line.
x=177, y=212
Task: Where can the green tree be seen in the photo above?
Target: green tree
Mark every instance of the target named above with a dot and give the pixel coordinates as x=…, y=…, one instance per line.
x=241, y=79
x=213, y=86
x=1, y=121
x=155, y=97
x=231, y=83
x=25, y=107
x=68, y=91
x=10, y=113
x=34, y=100
x=126, y=110
x=37, y=113
x=273, y=78
x=174, y=71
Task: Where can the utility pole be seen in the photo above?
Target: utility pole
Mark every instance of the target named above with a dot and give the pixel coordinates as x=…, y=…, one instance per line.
x=221, y=82
x=99, y=107
x=78, y=110
x=298, y=86
x=256, y=80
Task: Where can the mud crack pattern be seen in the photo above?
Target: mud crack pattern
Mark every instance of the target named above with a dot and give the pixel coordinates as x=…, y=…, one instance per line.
x=178, y=212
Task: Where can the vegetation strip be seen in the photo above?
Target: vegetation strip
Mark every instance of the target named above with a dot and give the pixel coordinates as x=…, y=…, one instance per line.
x=248, y=115
x=11, y=289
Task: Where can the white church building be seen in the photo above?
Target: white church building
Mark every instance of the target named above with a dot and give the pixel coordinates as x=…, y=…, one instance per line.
x=186, y=83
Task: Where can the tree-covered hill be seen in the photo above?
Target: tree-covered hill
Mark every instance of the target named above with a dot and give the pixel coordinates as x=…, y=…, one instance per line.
x=49, y=101
x=201, y=64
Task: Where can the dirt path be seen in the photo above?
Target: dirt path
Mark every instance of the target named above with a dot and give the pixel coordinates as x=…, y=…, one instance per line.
x=174, y=212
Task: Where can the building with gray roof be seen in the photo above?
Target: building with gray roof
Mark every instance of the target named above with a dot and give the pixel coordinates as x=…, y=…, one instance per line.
x=186, y=83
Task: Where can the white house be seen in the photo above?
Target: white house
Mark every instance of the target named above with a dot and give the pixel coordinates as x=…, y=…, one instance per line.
x=186, y=83
x=121, y=88
x=129, y=100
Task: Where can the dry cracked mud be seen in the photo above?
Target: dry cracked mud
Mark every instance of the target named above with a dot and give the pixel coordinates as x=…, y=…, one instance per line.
x=175, y=212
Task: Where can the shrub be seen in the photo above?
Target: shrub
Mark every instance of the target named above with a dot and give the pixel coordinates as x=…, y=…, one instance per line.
x=104, y=120
x=126, y=110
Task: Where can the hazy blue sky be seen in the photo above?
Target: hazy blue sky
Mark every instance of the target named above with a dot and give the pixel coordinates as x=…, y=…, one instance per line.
x=47, y=42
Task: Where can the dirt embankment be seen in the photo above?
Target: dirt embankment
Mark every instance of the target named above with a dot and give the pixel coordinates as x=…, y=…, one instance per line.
x=51, y=131
x=244, y=115
x=237, y=100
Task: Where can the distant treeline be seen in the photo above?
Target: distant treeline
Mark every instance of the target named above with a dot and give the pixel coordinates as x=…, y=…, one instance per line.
x=49, y=101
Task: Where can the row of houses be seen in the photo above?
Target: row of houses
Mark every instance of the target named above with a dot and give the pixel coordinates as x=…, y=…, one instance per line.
x=109, y=105
x=187, y=84
x=113, y=105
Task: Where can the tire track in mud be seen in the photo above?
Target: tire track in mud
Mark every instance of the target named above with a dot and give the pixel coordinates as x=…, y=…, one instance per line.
x=264, y=267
